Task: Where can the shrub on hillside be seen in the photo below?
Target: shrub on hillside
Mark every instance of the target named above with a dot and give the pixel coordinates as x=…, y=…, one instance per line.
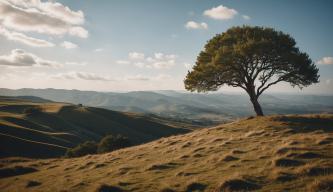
x=88, y=147
x=111, y=143
x=107, y=144
x=33, y=110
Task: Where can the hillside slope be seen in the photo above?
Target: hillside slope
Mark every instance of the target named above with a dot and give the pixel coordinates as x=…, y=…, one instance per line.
x=274, y=153
x=54, y=127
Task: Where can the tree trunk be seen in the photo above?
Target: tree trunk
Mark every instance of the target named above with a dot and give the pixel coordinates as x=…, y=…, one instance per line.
x=250, y=89
x=256, y=106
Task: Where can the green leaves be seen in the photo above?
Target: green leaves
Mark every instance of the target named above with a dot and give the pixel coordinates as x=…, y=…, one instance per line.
x=251, y=57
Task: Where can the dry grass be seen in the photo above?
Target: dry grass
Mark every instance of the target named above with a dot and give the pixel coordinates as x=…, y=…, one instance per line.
x=277, y=153
x=48, y=129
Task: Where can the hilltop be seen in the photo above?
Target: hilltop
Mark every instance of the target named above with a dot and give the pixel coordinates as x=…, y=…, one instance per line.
x=35, y=127
x=273, y=153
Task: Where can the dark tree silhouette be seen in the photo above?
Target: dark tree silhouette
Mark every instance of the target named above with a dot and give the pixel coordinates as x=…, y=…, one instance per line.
x=110, y=143
x=253, y=58
x=88, y=147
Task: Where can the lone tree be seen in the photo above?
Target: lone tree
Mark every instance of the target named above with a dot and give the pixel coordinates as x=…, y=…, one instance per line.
x=253, y=58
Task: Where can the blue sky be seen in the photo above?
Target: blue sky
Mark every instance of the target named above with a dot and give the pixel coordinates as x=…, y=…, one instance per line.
x=129, y=45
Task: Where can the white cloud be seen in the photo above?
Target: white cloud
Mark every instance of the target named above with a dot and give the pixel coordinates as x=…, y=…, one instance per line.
x=22, y=38
x=163, y=64
x=140, y=64
x=42, y=17
x=60, y=11
x=123, y=62
x=195, y=25
x=161, y=56
x=78, y=31
x=326, y=61
x=138, y=78
x=136, y=56
x=158, y=55
x=76, y=63
x=74, y=75
x=220, y=12
x=160, y=61
x=157, y=61
x=162, y=77
x=187, y=65
x=246, y=17
x=21, y=58
x=99, y=50
x=68, y=45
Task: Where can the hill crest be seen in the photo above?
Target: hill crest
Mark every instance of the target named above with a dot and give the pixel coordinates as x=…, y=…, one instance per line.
x=273, y=153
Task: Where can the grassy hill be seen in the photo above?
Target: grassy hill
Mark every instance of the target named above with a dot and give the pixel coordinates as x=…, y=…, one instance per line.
x=54, y=127
x=273, y=153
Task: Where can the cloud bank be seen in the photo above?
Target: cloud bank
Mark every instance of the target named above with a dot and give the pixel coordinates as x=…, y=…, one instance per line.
x=42, y=17
x=22, y=38
x=81, y=75
x=21, y=58
x=326, y=61
x=157, y=61
x=68, y=45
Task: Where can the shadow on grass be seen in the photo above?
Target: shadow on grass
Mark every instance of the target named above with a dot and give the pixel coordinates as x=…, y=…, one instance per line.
x=304, y=124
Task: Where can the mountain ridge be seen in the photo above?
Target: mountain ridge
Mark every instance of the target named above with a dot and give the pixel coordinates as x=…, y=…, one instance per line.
x=208, y=109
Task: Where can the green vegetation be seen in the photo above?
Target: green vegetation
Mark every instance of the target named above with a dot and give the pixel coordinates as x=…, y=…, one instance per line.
x=34, y=110
x=107, y=144
x=86, y=148
x=252, y=58
x=110, y=143
x=270, y=153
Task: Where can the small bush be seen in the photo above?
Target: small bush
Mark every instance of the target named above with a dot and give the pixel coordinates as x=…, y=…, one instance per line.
x=33, y=110
x=110, y=143
x=107, y=144
x=88, y=147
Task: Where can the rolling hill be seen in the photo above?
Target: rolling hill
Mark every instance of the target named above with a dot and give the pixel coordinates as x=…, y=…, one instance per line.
x=201, y=109
x=273, y=153
x=35, y=127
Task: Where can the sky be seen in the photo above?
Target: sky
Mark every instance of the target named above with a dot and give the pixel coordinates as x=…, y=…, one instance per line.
x=127, y=45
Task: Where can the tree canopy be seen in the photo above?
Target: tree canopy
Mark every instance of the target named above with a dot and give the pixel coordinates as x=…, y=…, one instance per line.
x=252, y=58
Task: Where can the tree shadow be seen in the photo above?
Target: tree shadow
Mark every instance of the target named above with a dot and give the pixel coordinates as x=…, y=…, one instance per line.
x=304, y=124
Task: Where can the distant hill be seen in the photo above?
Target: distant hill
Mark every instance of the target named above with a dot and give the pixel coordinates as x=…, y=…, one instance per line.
x=273, y=153
x=202, y=109
x=35, y=127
